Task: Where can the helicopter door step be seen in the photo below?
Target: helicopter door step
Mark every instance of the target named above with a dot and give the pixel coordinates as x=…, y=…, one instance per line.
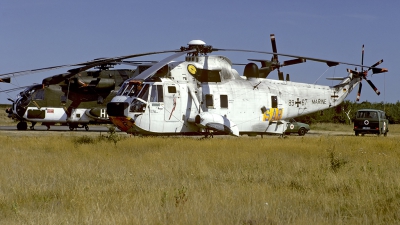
x=277, y=127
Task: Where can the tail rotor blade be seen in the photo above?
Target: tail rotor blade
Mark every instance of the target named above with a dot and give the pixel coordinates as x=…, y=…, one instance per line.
x=379, y=70
x=376, y=64
x=274, y=50
x=373, y=87
x=293, y=61
x=359, y=92
x=362, y=58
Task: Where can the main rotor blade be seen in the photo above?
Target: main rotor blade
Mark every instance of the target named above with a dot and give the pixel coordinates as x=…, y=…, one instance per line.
x=328, y=62
x=90, y=64
x=153, y=69
x=58, y=78
x=5, y=80
x=14, y=89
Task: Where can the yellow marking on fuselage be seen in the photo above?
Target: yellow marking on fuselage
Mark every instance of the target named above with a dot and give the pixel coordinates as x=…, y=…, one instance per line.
x=273, y=114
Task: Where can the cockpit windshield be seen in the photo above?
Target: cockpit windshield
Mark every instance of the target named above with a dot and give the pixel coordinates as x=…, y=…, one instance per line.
x=28, y=94
x=132, y=89
x=30, y=90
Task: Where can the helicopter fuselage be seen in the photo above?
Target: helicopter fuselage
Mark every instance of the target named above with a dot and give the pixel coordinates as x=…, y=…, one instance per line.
x=204, y=93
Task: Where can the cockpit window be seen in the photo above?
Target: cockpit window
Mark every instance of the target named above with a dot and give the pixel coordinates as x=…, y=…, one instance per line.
x=137, y=106
x=144, y=92
x=39, y=95
x=130, y=89
x=122, y=89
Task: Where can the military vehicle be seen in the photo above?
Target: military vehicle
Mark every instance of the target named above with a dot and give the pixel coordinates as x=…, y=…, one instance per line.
x=371, y=121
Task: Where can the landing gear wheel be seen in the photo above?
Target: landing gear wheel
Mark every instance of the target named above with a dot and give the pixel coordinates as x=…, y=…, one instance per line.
x=71, y=128
x=22, y=126
x=86, y=127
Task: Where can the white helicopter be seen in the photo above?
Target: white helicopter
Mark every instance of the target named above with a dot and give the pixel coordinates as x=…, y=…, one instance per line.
x=204, y=95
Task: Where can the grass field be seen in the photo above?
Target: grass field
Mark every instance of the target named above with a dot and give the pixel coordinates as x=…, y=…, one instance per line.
x=315, y=179
x=299, y=180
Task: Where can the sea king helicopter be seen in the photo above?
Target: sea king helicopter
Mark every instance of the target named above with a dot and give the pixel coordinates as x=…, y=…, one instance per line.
x=205, y=95
x=76, y=98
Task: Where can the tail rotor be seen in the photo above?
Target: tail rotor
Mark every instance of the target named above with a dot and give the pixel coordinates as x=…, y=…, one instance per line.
x=364, y=73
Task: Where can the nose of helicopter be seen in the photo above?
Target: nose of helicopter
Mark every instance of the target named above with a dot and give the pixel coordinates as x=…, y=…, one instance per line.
x=123, y=123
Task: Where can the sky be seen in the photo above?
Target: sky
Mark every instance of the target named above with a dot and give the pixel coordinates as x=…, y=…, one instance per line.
x=44, y=33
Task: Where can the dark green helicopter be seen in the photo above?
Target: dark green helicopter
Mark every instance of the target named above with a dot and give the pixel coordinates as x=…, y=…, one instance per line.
x=76, y=98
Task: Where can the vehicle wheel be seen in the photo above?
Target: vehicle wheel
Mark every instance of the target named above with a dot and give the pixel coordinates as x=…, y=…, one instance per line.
x=22, y=126
x=356, y=133
x=385, y=134
x=302, y=131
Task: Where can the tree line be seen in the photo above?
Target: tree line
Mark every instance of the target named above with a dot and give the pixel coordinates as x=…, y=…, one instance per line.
x=338, y=114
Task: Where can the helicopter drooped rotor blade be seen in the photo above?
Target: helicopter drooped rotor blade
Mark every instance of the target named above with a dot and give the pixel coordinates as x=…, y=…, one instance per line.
x=14, y=89
x=152, y=70
x=57, y=78
x=84, y=65
x=359, y=92
x=328, y=62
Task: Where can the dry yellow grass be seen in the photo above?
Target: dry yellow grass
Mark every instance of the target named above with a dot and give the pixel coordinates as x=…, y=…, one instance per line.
x=298, y=180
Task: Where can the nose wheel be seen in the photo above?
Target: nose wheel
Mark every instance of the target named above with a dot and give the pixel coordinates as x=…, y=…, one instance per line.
x=22, y=125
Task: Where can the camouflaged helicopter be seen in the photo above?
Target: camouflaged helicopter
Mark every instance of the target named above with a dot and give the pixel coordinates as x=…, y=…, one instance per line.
x=76, y=98
x=205, y=95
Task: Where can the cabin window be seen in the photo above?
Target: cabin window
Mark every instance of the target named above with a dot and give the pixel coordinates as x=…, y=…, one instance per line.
x=39, y=94
x=171, y=89
x=274, y=102
x=224, y=101
x=156, y=94
x=209, y=100
x=63, y=99
x=207, y=75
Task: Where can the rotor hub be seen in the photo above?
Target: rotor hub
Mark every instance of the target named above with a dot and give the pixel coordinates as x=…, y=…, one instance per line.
x=200, y=47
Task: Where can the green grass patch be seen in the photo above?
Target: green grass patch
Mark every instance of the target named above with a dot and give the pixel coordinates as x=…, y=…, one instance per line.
x=299, y=180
